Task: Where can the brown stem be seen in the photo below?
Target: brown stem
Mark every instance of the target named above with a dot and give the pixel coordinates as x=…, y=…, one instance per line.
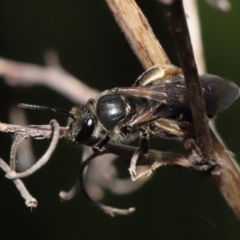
x=177, y=19
x=228, y=177
x=138, y=33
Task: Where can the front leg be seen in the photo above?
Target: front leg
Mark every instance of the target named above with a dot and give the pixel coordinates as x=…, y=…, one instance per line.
x=100, y=146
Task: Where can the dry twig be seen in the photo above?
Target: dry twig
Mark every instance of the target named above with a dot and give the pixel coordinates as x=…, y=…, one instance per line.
x=155, y=160
x=42, y=161
x=177, y=19
x=52, y=76
x=138, y=33
x=29, y=200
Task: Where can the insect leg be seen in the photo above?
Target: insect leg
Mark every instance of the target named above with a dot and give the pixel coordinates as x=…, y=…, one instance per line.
x=168, y=128
x=162, y=127
x=100, y=146
x=142, y=150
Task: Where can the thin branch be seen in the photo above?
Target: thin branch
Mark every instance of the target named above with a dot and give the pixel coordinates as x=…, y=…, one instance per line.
x=66, y=196
x=29, y=200
x=103, y=176
x=43, y=160
x=15, y=145
x=156, y=159
x=106, y=209
x=34, y=131
x=177, y=19
x=25, y=153
x=23, y=74
x=138, y=33
x=163, y=158
x=193, y=21
x=227, y=177
x=107, y=178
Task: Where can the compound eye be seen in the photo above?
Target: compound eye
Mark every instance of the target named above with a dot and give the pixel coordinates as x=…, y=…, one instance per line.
x=86, y=131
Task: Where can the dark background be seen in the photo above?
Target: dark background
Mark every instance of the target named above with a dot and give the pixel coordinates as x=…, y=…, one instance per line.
x=175, y=204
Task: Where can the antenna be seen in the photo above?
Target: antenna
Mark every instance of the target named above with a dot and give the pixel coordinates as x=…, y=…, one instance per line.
x=44, y=108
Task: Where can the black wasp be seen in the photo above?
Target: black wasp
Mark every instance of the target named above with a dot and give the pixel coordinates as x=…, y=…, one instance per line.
x=157, y=104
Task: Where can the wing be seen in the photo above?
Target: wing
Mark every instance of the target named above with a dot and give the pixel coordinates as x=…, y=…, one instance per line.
x=143, y=114
x=172, y=93
x=148, y=112
x=218, y=94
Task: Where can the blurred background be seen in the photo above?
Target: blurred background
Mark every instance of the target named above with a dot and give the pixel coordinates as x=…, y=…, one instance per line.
x=175, y=204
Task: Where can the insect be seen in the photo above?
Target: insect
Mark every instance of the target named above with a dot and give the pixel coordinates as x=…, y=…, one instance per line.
x=154, y=105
